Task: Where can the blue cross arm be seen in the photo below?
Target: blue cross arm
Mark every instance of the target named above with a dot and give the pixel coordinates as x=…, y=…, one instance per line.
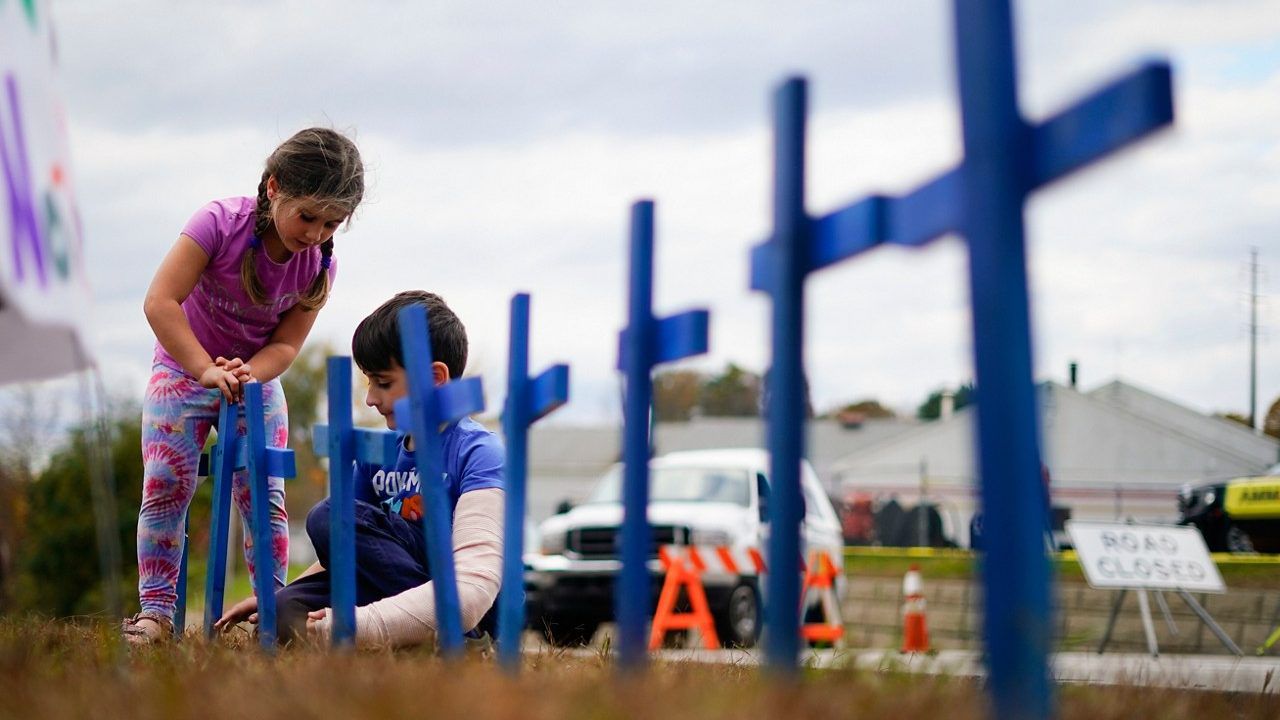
x=547, y=392
x=451, y=401
x=683, y=335
x=1114, y=116
x=928, y=212
x=675, y=337
x=379, y=447
x=281, y=462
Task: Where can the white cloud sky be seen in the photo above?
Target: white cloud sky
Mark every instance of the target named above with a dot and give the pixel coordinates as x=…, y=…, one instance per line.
x=505, y=142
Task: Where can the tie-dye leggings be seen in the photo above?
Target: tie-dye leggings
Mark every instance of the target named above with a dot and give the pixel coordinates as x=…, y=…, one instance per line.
x=176, y=417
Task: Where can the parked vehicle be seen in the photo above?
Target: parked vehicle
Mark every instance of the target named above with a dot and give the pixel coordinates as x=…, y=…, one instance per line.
x=1239, y=515
x=716, y=498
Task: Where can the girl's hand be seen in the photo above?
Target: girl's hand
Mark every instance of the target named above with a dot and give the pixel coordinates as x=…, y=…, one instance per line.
x=246, y=609
x=237, y=366
x=226, y=381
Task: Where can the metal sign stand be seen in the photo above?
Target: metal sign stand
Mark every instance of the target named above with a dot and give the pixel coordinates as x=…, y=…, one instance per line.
x=1148, y=626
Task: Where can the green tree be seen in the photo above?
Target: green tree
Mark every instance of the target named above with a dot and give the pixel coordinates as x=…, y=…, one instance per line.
x=305, y=385
x=1271, y=421
x=12, y=521
x=734, y=393
x=1236, y=418
x=931, y=408
x=869, y=407
x=676, y=394
x=58, y=566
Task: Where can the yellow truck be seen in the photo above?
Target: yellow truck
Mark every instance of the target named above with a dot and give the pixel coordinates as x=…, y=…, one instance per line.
x=1240, y=515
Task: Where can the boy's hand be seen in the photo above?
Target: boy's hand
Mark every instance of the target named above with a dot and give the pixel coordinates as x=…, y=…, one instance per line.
x=246, y=609
x=318, y=624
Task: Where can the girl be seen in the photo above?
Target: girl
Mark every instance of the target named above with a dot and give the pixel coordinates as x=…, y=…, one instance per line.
x=231, y=303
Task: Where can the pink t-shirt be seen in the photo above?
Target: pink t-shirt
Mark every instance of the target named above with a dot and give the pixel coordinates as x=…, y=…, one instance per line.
x=221, y=315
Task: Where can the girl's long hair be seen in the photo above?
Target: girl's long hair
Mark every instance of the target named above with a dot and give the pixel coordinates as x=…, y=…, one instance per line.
x=318, y=163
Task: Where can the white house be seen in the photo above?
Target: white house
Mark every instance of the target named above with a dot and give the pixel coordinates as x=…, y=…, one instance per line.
x=1114, y=452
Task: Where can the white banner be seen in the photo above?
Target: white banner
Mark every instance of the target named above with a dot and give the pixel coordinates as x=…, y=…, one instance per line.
x=43, y=291
x=1157, y=557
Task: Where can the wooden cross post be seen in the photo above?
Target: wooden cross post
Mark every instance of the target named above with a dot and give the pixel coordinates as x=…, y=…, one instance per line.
x=344, y=445
x=528, y=400
x=250, y=453
x=1006, y=158
x=426, y=411
x=646, y=341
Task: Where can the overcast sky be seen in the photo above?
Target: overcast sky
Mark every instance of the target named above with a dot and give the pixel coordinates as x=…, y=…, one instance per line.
x=504, y=142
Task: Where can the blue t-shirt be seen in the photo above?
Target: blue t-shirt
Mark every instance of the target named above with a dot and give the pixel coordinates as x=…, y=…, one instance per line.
x=473, y=460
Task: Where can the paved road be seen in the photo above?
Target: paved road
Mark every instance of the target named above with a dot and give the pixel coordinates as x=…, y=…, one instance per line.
x=1202, y=672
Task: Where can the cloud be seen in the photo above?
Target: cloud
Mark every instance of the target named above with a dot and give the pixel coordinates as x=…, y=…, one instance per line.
x=506, y=142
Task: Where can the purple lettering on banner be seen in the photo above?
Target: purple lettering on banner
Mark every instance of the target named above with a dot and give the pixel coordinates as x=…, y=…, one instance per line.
x=23, y=225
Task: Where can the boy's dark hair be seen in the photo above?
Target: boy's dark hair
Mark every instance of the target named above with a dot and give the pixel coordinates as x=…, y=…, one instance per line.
x=376, y=342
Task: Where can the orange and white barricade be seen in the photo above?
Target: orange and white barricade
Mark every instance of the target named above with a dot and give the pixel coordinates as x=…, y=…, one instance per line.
x=820, y=575
x=685, y=566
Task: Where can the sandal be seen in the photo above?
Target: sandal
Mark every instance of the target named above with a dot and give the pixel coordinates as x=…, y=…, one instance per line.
x=158, y=630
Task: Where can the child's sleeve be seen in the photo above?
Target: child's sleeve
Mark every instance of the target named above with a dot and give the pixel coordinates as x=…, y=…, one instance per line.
x=483, y=466
x=360, y=474
x=410, y=618
x=206, y=228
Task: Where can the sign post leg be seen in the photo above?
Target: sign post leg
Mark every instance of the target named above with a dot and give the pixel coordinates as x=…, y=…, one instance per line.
x=1208, y=621
x=1164, y=610
x=1111, y=621
x=1148, y=627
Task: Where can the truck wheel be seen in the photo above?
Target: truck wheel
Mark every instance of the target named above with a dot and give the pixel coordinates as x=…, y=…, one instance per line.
x=738, y=624
x=1238, y=540
x=568, y=631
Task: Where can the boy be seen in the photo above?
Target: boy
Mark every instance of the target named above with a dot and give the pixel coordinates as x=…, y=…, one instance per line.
x=396, y=603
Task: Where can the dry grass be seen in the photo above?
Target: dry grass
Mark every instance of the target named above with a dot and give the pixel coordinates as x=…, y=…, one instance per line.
x=69, y=670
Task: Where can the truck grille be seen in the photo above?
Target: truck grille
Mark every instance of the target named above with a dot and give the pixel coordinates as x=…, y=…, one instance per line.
x=602, y=542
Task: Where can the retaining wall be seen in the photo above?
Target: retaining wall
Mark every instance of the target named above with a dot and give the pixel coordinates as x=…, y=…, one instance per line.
x=872, y=613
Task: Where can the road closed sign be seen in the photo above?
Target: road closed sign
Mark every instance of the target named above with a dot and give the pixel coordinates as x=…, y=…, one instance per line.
x=1157, y=557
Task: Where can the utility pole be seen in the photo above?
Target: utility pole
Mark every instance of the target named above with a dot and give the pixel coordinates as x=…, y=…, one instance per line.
x=1253, y=338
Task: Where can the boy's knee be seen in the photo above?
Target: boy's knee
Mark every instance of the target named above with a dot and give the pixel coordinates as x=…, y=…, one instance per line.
x=318, y=521
x=318, y=530
x=291, y=619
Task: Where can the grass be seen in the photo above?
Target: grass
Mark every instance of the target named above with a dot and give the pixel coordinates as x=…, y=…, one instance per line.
x=239, y=586
x=58, y=669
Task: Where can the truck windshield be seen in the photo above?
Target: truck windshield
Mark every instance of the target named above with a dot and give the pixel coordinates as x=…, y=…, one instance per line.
x=682, y=484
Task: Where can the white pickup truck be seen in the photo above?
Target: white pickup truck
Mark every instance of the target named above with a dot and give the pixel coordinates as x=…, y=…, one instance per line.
x=705, y=498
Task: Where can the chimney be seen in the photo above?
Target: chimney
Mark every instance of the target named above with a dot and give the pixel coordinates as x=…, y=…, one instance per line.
x=1071, y=372
x=948, y=405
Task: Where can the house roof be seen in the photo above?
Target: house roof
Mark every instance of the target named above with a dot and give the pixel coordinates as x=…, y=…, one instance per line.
x=1114, y=434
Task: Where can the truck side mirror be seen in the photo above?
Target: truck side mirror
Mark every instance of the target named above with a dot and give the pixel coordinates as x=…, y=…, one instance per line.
x=564, y=506
x=762, y=494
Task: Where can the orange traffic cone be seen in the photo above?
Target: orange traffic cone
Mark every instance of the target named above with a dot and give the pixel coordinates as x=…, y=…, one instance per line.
x=915, y=634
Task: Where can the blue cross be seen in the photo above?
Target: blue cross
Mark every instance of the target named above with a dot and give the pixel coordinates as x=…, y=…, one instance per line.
x=424, y=412
x=233, y=452
x=1006, y=158
x=344, y=444
x=647, y=341
x=528, y=400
